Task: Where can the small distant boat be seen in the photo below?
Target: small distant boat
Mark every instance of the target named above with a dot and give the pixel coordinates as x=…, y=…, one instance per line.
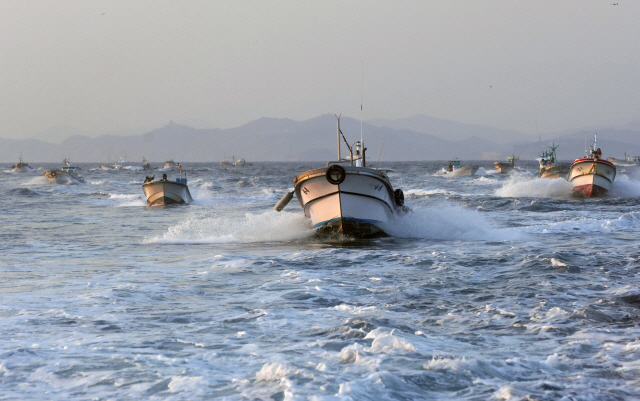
x=510, y=165
x=68, y=168
x=346, y=196
x=170, y=164
x=62, y=177
x=119, y=164
x=242, y=163
x=455, y=170
x=164, y=192
x=235, y=163
x=21, y=167
x=549, y=166
x=145, y=165
x=591, y=176
x=627, y=161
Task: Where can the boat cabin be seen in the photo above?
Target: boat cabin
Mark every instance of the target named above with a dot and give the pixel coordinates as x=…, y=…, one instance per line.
x=453, y=165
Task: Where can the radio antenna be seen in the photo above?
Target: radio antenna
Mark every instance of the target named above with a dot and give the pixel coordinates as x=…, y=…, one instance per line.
x=361, y=101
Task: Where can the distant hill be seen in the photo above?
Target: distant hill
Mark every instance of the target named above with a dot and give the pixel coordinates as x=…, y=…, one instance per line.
x=270, y=139
x=451, y=130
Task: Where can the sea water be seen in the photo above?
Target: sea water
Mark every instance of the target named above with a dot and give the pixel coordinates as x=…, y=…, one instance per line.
x=495, y=286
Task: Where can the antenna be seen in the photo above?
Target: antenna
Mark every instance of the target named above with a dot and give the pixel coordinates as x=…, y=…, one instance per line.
x=381, y=149
x=361, y=101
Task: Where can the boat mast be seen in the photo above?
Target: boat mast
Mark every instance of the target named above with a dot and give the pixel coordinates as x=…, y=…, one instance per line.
x=361, y=161
x=338, y=118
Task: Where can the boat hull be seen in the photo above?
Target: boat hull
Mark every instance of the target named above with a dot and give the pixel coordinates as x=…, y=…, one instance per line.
x=22, y=169
x=592, y=177
x=465, y=171
x=62, y=177
x=359, y=206
x=554, y=171
x=161, y=193
x=503, y=168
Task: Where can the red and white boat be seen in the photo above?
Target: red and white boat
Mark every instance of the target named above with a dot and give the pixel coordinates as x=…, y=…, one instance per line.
x=591, y=175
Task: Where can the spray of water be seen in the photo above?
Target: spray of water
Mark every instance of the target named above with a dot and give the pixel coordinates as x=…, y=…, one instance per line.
x=450, y=222
x=524, y=186
x=248, y=228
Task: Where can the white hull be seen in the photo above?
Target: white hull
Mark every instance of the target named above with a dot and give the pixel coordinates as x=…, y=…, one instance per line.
x=502, y=168
x=460, y=172
x=554, y=171
x=160, y=193
x=358, y=206
x=62, y=178
x=591, y=177
x=21, y=169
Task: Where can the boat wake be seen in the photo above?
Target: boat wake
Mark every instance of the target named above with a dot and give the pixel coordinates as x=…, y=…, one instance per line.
x=450, y=223
x=518, y=186
x=249, y=228
x=625, y=187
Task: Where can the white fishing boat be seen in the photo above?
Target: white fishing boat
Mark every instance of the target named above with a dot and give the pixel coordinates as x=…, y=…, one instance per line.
x=62, y=177
x=241, y=163
x=549, y=166
x=510, y=165
x=21, y=167
x=119, y=164
x=591, y=175
x=346, y=196
x=170, y=164
x=67, y=167
x=455, y=170
x=627, y=161
x=235, y=163
x=164, y=192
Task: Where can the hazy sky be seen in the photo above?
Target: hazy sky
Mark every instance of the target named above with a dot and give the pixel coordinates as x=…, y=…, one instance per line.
x=104, y=66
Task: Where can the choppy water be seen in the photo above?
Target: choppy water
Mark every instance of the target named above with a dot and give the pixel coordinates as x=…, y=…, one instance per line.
x=494, y=287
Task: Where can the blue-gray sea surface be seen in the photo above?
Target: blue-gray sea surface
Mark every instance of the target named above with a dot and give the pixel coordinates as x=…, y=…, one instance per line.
x=500, y=287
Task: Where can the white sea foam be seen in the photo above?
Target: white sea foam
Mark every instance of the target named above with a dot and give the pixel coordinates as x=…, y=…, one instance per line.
x=386, y=342
x=625, y=187
x=449, y=222
x=523, y=186
x=427, y=192
x=264, y=227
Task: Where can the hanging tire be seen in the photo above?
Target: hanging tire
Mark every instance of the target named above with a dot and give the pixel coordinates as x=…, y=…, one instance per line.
x=336, y=174
x=398, y=196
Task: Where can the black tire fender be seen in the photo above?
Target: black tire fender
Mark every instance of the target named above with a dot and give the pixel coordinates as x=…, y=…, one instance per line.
x=336, y=174
x=398, y=197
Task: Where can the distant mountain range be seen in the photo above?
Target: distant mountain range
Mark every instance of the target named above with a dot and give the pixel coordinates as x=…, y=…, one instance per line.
x=269, y=139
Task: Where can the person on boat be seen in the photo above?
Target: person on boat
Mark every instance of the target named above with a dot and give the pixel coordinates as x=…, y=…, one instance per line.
x=597, y=154
x=164, y=177
x=450, y=166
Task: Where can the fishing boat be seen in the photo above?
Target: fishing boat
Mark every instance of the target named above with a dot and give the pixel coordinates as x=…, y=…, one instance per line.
x=454, y=169
x=62, y=177
x=119, y=164
x=591, y=175
x=627, y=161
x=549, y=166
x=510, y=165
x=145, y=165
x=346, y=196
x=107, y=166
x=164, y=192
x=21, y=167
x=235, y=163
x=242, y=163
x=68, y=168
